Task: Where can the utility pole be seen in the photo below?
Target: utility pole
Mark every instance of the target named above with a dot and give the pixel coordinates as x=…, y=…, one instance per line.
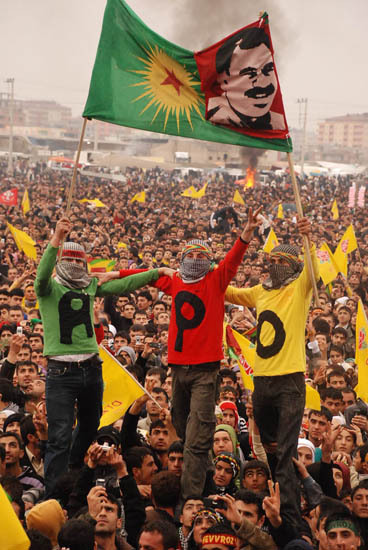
x=95, y=144
x=303, y=101
x=11, y=121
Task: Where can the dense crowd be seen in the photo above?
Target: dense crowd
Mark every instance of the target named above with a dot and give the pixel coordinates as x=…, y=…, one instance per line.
x=128, y=489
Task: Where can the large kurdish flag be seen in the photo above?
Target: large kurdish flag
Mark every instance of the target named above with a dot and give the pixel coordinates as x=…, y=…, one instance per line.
x=228, y=93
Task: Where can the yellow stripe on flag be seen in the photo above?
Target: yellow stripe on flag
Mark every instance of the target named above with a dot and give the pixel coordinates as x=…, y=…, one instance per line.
x=238, y=198
x=271, y=242
x=24, y=242
x=12, y=534
x=361, y=352
x=121, y=389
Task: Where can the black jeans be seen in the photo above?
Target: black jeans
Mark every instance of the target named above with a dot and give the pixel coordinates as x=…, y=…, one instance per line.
x=66, y=385
x=278, y=406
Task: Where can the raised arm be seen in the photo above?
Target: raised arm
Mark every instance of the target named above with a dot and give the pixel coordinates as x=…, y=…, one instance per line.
x=48, y=260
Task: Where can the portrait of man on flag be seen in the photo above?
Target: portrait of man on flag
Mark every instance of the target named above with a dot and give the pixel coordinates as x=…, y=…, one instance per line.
x=243, y=89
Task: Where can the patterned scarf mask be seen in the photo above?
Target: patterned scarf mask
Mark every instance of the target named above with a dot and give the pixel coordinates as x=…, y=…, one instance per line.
x=282, y=275
x=72, y=275
x=193, y=270
x=68, y=273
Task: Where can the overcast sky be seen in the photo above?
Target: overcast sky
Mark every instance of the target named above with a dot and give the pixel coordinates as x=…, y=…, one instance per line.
x=49, y=46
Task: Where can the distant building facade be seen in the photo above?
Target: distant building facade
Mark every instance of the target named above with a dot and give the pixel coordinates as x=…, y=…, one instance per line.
x=347, y=131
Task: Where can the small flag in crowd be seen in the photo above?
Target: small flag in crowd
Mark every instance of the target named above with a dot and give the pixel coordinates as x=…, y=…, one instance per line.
x=142, y=80
x=201, y=192
x=361, y=352
x=347, y=244
x=95, y=202
x=271, y=241
x=327, y=267
x=361, y=196
x=280, y=212
x=12, y=534
x=10, y=197
x=352, y=191
x=238, y=198
x=189, y=192
x=99, y=265
x=25, y=202
x=24, y=242
x=243, y=351
x=335, y=210
x=120, y=389
x=139, y=197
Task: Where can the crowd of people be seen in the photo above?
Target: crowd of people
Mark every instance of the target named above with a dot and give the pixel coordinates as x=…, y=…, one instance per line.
x=199, y=460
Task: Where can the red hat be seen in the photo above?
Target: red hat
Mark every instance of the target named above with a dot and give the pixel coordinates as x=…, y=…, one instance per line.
x=230, y=405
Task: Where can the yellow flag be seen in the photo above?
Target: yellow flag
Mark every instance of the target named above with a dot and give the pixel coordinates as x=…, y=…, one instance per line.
x=248, y=351
x=280, y=212
x=25, y=202
x=271, y=241
x=347, y=244
x=238, y=198
x=335, y=210
x=202, y=191
x=12, y=534
x=120, y=389
x=95, y=202
x=327, y=267
x=23, y=242
x=189, y=192
x=122, y=245
x=139, y=197
x=361, y=352
x=312, y=398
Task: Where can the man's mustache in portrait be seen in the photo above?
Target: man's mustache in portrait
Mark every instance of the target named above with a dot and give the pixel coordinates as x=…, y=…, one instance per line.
x=259, y=92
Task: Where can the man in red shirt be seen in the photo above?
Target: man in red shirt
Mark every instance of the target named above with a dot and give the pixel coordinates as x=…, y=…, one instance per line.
x=195, y=346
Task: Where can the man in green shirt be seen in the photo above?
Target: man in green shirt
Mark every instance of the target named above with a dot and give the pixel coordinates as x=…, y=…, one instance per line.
x=74, y=368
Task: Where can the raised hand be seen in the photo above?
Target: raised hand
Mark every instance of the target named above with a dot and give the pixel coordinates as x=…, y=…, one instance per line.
x=252, y=223
x=271, y=505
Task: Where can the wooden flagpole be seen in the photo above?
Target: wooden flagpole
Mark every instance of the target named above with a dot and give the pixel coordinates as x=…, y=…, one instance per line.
x=75, y=169
x=74, y=178
x=299, y=209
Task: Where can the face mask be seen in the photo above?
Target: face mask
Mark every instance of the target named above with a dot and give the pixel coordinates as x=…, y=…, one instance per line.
x=72, y=275
x=192, y=269
x=279, y=274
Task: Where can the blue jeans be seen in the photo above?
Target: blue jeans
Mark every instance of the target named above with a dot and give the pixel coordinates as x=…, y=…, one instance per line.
x=68, y=385
x=278, y=406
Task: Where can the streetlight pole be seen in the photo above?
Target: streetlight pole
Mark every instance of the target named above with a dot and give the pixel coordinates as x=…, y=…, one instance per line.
x=11, y=124
x=305, y=102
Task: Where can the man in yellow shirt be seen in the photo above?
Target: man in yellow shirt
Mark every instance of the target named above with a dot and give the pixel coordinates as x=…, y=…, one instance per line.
x=282, y=303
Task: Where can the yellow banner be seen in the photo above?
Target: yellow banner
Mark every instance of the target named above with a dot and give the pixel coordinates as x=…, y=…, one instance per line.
x=327, y=266
x=361, y=352
x=120, y=389
x=271, y=242
x=12, y=534
x=238, y=198
x=24, y=242
x=139, y=197
x=347, y=244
